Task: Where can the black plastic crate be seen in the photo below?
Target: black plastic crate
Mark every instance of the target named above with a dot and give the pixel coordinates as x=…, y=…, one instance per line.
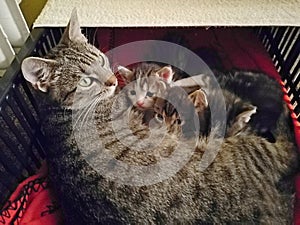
x=22, y=142
x=283, y=45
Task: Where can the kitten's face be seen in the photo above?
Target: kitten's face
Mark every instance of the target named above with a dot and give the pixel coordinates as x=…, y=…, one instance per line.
x=182, y=110
x=143, y=92
x=74, y=66
x=146, y=82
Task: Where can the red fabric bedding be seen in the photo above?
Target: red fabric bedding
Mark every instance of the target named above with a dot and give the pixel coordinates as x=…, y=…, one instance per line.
x=238, y=48
x=32, y=203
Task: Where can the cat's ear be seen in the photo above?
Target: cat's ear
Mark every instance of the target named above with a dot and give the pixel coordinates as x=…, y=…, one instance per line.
x=199, y=100
x=38, y=71
x=242, y=119
x=125, y=73
x=73, y=32
x=166, y=73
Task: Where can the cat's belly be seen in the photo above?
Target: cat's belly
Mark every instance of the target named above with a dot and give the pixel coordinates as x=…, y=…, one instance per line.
x=239, y=186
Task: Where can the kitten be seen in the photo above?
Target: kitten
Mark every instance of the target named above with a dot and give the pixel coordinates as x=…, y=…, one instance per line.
x=250, y=87
x=263, y=92
x=187, y=100
x=179, y=106
x=145, y=82
x=241, y=186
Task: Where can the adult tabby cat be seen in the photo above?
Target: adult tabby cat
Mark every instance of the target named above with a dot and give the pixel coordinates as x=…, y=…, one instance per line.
x=242, y=185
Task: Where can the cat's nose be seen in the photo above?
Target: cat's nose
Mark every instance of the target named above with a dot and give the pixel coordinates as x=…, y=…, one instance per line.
x=111, y=81
x=140, y=103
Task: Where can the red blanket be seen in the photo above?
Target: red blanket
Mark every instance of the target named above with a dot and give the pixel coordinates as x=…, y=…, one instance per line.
x=33, y=203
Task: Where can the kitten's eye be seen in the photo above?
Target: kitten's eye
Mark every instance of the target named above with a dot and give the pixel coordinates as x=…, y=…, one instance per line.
x=132, y=92
x=159, y=118
x=149, y=94
x=178, y=121
x=85, y=82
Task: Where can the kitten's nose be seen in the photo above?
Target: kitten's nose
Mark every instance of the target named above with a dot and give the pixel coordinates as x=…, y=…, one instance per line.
x=140, y=103
x=112, y=81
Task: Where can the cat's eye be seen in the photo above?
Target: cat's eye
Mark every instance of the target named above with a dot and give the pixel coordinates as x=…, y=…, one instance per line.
x=149, y=94
x=159, y=118
x=132, y=92
x=178, y=121
x=85, y=82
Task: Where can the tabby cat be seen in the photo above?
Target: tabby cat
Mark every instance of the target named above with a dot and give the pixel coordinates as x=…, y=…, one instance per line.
x=145, y=82
x=238, y=112
x=256, y=88
x=177, y=107
x=262, y=91
x=241, y=186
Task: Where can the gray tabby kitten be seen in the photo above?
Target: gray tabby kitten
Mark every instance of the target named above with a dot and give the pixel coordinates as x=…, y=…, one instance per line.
x=145, y=82
x=256, y=88
x=241, y=186
x=178, y=105
x=187, y=100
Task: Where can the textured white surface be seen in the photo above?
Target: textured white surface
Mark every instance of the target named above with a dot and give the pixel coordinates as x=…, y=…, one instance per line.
x=133, y=13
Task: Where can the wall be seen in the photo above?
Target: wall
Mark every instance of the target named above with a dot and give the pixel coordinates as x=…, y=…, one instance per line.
x=31, y=9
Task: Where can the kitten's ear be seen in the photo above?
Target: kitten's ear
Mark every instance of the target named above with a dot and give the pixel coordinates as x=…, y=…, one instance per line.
x=73, y=32
x=199, y=100
x=125, y=73
x=166, y=73
x=242, y=119
x=37, y=71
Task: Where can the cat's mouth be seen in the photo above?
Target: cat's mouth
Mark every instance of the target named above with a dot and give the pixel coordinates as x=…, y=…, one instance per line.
x=140, y=107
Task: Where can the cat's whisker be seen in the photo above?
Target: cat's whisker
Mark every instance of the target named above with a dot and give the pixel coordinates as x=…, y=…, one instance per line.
x=87, y=113
x=78, y=117
x=83, y=111
x=90, y=110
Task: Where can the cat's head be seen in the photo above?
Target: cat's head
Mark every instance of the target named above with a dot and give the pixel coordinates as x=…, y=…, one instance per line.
x=145, y=83
x=73, y=66
x=189, y=111
x=239, y=113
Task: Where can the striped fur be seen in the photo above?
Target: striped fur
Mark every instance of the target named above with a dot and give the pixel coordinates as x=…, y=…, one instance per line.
x=146, y=82
x=248, y=183
x=70, y=63
x=245, y=184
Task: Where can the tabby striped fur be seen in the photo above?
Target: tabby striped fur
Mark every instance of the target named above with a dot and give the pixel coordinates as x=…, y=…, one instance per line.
x=242, y=185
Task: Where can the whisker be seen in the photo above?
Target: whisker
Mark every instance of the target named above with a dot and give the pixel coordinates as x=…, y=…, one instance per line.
x=89, y=109
x=84, y=109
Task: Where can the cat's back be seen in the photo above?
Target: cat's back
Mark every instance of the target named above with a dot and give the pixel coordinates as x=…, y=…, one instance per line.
x=242, y=185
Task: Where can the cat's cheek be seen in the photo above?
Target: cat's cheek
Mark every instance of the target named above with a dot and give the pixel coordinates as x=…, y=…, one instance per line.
x=111, y=91
x=148, y=104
